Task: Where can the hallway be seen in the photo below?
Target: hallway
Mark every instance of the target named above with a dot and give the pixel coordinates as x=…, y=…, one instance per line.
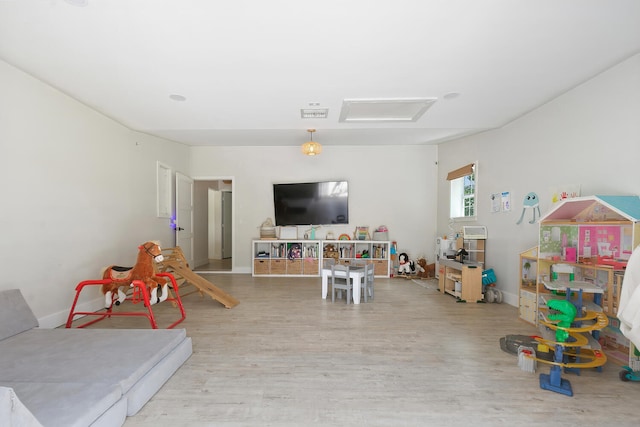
x=215, y=265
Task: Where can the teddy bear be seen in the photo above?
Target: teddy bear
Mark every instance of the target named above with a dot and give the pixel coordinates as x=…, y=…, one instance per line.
x=330, y=251
x=425, y=271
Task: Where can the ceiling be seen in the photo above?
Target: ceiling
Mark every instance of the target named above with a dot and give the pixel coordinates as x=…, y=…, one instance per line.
x=245, y=68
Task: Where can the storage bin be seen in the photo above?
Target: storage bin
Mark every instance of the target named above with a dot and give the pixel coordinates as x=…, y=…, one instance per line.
x=488, y=277
x=288, y=233
x=381, y=235
x=267, y=232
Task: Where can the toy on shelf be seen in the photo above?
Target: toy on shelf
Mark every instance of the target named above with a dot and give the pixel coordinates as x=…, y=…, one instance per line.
x=295, y=251
x=143, y=271
x=362, y=233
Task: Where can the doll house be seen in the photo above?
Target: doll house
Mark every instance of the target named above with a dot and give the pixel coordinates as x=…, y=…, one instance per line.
x=591, y=237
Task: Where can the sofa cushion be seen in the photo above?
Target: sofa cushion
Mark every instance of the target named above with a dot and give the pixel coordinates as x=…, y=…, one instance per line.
x=13, y=412
x=15, y=314
x=110, y=356
x=144, y=389
x=70, y=404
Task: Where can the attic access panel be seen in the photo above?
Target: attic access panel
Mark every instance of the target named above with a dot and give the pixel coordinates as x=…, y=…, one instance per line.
x=384, y=110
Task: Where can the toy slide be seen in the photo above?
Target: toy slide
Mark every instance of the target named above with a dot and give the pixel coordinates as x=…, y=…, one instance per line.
x=592, y=359
x=579, y=339
x=575, y=332
x=601, y=322
x=175, y=263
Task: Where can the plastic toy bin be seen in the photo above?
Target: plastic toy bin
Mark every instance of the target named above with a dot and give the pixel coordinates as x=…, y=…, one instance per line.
x=488, y=277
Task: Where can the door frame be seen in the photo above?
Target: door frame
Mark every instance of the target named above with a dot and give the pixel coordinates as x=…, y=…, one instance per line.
x=227, y=229
x=233, y=213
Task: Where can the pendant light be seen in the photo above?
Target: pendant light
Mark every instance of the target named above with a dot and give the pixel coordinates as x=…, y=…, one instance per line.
x=311, y=148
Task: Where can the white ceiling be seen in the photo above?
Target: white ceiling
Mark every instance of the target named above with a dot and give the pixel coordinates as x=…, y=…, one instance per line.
x=247, y=67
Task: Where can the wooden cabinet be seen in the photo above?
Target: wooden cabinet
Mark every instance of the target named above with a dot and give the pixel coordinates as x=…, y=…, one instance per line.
x=305, y=257
x=286, y=258
x=527, y=295
x=463, y=281
x=374, y=252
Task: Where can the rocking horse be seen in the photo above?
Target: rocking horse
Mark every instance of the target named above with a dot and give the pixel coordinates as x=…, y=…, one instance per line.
x=143, y=270
x=144, y=281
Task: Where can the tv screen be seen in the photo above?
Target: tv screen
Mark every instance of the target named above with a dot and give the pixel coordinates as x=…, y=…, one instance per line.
x=311, y=203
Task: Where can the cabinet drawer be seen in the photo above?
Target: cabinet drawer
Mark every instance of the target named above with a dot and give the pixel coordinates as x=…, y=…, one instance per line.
x=310, y=267
x=380, y=268
x=260, y=266
x=278, y=266
x=294, y=266
x=527, y=295
x=527, y=308
x=528, y=313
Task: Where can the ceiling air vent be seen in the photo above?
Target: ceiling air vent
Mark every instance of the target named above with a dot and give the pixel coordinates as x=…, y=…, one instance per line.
x=384, y=110
x=314, y=113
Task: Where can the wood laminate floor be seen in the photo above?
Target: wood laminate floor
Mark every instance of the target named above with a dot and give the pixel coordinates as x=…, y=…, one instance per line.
x=215, y=265
x=413, y=357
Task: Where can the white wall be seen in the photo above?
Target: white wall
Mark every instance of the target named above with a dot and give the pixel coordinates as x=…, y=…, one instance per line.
x=388, y=185
x=589, y=136
x=78, y=193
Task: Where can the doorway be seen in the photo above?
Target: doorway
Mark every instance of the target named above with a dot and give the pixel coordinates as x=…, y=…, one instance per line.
x=213, y=225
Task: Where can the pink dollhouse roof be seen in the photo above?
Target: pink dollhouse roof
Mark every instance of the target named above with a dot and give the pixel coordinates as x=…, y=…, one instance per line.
x=596, y=208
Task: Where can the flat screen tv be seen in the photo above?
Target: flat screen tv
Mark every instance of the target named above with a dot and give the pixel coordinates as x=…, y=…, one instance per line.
x=311, y=203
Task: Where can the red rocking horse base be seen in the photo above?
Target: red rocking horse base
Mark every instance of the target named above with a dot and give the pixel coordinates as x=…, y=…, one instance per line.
x=140, y=293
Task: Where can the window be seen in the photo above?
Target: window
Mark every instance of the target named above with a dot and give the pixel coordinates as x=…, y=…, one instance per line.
x=463, y=192
x=163, y=177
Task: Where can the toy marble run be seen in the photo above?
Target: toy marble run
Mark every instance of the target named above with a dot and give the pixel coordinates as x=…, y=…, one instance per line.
x=569, y=340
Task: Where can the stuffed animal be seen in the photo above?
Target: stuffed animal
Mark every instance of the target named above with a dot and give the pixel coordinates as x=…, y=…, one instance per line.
x=330, y=251
x=144, y=271
x=295, y=251
x=425, y=271
x=406, y=265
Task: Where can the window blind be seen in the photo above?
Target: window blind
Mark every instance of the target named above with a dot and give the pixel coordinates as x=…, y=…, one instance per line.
x=460, y=172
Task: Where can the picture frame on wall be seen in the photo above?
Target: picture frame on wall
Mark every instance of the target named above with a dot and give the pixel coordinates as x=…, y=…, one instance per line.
x=163, y=184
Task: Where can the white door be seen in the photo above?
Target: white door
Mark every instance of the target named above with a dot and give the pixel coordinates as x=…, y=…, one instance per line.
x=184, y=216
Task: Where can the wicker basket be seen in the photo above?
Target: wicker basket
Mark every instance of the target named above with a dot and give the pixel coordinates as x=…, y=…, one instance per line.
x=267, y=232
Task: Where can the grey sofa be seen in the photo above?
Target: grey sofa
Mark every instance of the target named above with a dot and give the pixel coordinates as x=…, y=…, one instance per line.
x=79, y=377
